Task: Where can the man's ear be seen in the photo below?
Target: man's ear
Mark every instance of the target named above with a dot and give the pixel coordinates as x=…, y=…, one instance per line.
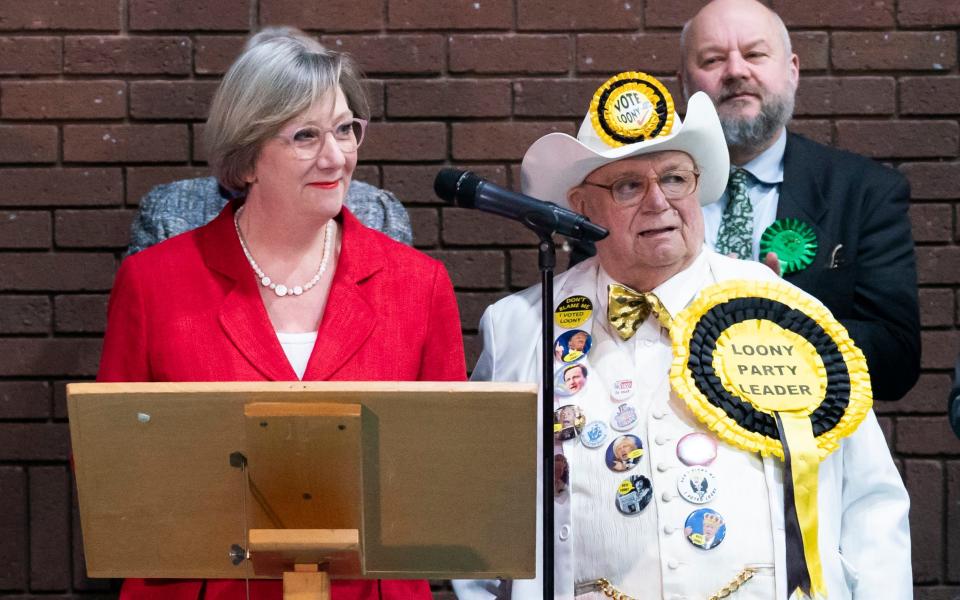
x=576, y=199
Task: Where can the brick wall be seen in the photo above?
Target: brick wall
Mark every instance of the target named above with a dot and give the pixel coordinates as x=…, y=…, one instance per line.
x=102, y=99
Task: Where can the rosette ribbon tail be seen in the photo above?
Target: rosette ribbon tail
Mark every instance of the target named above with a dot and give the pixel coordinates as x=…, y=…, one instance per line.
x=802, y=463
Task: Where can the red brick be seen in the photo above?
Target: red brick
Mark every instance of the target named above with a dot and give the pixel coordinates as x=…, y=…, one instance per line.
x=933, y=180
x=25, y=229
x=930, y=95
x=936, y=592
x=32, y=441
x=924, y=481
x=610, y=53
x=141, y=180
x=392, y=54
x=508, y=141
x=330, y=15
x=472, y=346
x=870, y=14
x=375, y=92
x=899, y=139
x=936, y=307
x=931, y=222
x=472, y=305
x=920, y=13
x=451, y=14
x=425, y=223
x=199, y=153
x=137, y=55
x=28, y=143
x=49, y=529
x=953, y=516
x=816, y=129
x=64, y=271
x=51, y=14
x=60, y=187
x=572, y=15
x=92, y=228
x=414, y=183
x=24, y=314
x=30, y=55
x=670, y=14
x=80, y=313
x=466, y=227
x=63, y=99
x=190, y=14
x=21, y=400
x=846, y=95
x=927, y=397
x=125, y=143
x=449, y=98
x=405, y=142
x=369, y=174
x=473, y=269
x=213, y=55
x=939, y=350
x=13, y=525
x=938, y=264
x=927, y=436
x=901, y=50
x=509, y=53
x=812, y=48
x=525, y=270
x=171, y=99
x=554, y=97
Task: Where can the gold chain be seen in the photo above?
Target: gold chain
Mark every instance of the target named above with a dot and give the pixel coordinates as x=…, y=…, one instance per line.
x=610, y=591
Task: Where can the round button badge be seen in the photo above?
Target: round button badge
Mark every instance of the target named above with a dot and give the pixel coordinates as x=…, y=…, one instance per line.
x=594, y=434
x=705, y=528
x=624, y=417
x=561, y=474
x=697, y=485
x=568, y=422
x=624, y=452
x=573, y=311
x=697, y=449
x=570, y=380
x=572, y=346
x=622, y=390
x=634, y=494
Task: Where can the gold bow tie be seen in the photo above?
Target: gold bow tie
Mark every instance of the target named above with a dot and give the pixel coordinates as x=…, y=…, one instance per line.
x=627, y=309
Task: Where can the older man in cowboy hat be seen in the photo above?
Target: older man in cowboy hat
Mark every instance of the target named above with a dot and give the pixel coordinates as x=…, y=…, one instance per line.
x=635, y=169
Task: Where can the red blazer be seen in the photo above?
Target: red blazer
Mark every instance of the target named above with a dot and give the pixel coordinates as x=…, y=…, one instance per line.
x=189, y=309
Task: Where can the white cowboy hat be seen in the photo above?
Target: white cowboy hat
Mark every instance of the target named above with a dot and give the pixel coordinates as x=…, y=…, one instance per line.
x=557, y=162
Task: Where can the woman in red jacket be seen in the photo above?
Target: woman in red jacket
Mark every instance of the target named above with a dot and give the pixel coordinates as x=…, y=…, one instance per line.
x=285, y=284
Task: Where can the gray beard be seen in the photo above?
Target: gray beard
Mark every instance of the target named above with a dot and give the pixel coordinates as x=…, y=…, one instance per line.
x=748, y=135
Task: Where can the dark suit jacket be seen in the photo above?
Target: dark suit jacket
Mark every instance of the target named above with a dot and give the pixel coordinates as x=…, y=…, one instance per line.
x=189, y=309
x=870, y=283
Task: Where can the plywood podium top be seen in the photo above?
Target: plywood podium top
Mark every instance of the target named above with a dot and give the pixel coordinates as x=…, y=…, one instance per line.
x=448, y=476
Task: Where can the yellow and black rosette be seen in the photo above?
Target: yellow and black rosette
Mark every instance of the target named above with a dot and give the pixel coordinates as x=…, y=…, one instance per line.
x=769, y=370
x=631, y=107
x=794, y=242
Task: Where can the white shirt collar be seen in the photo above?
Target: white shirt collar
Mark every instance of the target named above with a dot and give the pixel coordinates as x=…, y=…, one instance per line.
x=767, y=167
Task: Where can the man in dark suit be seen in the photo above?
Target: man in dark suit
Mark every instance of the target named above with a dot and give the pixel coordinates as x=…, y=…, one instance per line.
x=852, y=209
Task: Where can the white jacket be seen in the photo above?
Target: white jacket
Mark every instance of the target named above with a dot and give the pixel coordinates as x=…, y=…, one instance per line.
x=864, y=533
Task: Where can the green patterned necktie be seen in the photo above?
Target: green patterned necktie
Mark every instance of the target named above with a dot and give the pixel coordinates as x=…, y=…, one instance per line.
x=736, y=228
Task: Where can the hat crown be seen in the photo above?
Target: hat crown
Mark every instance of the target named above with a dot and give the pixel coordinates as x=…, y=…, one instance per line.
x=587, y=135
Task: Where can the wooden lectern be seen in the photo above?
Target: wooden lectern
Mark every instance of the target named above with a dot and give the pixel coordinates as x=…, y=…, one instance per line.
x=306, y=481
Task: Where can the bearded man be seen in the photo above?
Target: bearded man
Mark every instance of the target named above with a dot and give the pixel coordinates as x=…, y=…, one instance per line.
x=835, y=223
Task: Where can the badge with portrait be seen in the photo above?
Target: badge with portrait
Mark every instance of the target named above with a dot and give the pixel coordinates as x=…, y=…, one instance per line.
x=769, y=370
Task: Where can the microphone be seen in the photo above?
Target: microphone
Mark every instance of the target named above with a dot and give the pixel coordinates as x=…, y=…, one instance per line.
x=467, y=190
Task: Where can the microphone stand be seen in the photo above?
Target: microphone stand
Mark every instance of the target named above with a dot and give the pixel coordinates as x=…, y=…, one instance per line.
x=547, y=262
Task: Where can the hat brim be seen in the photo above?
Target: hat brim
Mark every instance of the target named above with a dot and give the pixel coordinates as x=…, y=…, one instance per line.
x=557, y=162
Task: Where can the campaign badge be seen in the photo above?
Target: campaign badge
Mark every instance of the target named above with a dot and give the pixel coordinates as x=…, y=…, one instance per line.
x=573, y=312
x=705, y=528
x=594, y=434
x=697, y=485
x=624, y=417
x=572, y=346
x=570, y=379
x=624, y=452
x=568, y=422
x=631, y=107
x=634, y=494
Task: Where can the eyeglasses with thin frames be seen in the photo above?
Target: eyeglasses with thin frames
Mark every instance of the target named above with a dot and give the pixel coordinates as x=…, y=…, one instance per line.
x=308, y=142
x=630, y=189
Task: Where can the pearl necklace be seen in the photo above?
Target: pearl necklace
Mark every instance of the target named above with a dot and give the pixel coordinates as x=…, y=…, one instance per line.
x=278, y=288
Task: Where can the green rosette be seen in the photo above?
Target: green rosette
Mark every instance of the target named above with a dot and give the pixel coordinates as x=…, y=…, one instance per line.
x=794, y=242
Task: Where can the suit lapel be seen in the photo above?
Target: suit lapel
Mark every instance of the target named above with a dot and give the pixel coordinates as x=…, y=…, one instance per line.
x=349, y=317
x=242, y=314
x=800, y=196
